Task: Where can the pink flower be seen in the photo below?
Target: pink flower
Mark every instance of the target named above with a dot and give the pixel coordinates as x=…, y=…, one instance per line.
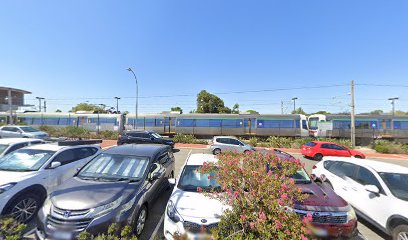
x=243, y=217
x=284, y=196
x=252, y=225
x=278, y=224
x=303, y=237
x=262, y=216
x=199, y=189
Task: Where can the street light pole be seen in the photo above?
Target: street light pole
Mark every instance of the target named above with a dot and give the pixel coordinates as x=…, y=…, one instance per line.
x=294, y=103
x=137, y=95
x=39, y=103
x=393, y=110
x=117, y=104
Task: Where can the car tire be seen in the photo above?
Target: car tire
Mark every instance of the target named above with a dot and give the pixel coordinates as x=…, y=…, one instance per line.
x=318, y=157
x=140, y=221
x=216, y=151
x=246, y=151
x=400, y=232
x=29, y=202
x=358, y=156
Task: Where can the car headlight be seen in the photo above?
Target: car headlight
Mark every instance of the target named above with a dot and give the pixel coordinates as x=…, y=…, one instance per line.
x=6, y=187
x=47, y=205
x=351, y=214
x=172, y=212
x=105, y=209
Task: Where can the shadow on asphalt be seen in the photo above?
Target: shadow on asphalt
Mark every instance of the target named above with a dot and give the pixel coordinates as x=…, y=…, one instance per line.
x=373, y=228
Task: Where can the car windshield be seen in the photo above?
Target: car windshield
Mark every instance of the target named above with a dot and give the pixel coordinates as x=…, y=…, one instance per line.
x=301, y=177
x=115, y=167
x=397, y=183
x=25, y=160
x=156, y=135
x=191, y=179
x=3, y=147
x=313, y=123
x=29, y=129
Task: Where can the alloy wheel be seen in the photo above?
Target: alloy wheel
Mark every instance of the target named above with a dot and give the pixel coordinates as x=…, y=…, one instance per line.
x=403, y=236
x=24, y=210
x=141, y=221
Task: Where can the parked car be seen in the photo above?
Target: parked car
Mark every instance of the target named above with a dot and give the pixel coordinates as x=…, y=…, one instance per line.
x=117, y=186
x=143, y=137
x=318, y=149
x=229, y=143
x=13, y=131
x=378, y=191
x=11, y=144
x=29, y=174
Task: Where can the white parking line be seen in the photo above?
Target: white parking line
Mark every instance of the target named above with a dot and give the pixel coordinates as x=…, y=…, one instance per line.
x=157, y=228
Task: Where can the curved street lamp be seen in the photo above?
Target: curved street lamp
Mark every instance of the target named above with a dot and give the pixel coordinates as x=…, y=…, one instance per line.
x=137, y=95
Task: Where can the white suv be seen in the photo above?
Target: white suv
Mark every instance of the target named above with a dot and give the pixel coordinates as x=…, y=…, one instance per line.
x=378, y=191
x=29, y=174
x=189, y=211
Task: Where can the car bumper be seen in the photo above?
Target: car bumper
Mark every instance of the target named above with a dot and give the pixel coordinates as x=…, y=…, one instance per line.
x=335, y=230
x=171, y=229
x=95, y=227
x=306, y=153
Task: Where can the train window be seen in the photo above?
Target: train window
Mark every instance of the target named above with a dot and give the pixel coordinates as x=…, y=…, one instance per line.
x=304, y=124
x=185, y=122
x=231, y=123
x=276, y=124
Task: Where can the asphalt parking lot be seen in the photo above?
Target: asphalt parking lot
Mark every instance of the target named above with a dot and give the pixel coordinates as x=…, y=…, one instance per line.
x=154, y=225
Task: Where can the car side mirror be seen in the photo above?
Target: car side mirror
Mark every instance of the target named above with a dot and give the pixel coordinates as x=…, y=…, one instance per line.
x=155, y=174
x=172, y=181
x=372, y=189
x=55, y=165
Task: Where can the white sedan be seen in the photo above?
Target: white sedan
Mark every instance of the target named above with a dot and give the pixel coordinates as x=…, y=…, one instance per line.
x=188, y=210
x=378, y=191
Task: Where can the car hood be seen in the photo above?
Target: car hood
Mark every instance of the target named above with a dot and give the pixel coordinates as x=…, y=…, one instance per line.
x=194, y=206
x=320, y=198
x=10, y=176
x=77, y=194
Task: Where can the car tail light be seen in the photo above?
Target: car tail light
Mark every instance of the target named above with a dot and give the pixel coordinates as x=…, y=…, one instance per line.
x=314, y=167
x=120, y=135
x=323, y=178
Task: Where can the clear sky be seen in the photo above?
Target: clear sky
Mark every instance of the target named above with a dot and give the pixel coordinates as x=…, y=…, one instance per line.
x=76, y=51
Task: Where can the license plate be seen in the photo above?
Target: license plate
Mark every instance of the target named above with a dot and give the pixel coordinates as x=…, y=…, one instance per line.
x=60, y=235
x=321, y=232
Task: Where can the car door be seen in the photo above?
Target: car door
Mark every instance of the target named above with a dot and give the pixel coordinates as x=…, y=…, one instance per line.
x=135, y=138
x=236, y=145
x=158, y=184
x=11, y=132
x=339, y=175
x=367, y=202
x=340, y=151
x=325, y=149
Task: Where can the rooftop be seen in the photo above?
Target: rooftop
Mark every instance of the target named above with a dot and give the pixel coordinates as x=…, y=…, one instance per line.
x=200, y=158
x=14, y=90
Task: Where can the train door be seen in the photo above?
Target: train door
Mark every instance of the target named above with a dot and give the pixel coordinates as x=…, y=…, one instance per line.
x=169, y=125
x=249, y=125
x=82, y=120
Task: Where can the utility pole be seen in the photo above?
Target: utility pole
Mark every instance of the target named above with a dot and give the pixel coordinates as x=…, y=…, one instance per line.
x=393, y=110
x=294, y=103
x=117, y=104
x=45, y=106
x=282, y=107
x=39, y=103
x=137, y=95
x=10, y=103
x=353, y=121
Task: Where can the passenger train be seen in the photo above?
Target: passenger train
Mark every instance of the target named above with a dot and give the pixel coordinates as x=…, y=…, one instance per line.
x=290, y=125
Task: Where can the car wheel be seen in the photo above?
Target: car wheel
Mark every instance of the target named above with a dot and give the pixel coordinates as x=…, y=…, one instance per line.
x=24, y=208
x=140, y=221
x=400, y=232
x=318, y=157
x=246, y=151
x=358, y=156
x=216, y=151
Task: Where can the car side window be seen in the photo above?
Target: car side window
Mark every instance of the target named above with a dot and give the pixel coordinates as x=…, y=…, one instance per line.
x=16, y=147
x=234, y=142
x=337, y=147
x=366, y=177
x=84, y=152
x=344, y=170
x=146, y=135
x=66, y=157
x=220, y=140
x=327, y=146
x=327, y=164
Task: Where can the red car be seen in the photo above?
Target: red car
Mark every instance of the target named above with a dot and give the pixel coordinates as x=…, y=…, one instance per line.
x=318, y=149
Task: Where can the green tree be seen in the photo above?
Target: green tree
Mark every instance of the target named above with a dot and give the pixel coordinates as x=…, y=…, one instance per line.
x=58, y=111
x=377, y=112
x=321, y=112
x=210, y=103
x=399, y=112
x=252, y=112
x=88, y=107
x=299, y=111
x=177, y=109
x=235, y=108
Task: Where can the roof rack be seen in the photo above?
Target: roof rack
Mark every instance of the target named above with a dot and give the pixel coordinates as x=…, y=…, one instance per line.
x=78, y=142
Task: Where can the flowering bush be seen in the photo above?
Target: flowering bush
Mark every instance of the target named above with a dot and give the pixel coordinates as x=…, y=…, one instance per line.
x=10, y=229
x=260, y=193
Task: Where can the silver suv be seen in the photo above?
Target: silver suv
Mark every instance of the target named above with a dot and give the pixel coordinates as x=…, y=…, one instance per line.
x=21, y=132
x=229, y=143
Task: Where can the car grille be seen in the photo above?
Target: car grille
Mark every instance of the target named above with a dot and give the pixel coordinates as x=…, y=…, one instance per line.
x=325, y=217
x=68, y=220
x=199, y=228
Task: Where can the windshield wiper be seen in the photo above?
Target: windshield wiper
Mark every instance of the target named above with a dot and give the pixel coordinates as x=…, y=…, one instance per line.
x=15, y=170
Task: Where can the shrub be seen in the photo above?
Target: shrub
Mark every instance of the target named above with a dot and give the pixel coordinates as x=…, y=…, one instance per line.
x=10, y=229
x=253, y=141
x=188, y=138
x=112, y=234
x=257, y=194
x=110, y=135
x=384, y=146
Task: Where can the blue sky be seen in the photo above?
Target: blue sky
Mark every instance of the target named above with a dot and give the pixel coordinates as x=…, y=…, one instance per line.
x=76, y=51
